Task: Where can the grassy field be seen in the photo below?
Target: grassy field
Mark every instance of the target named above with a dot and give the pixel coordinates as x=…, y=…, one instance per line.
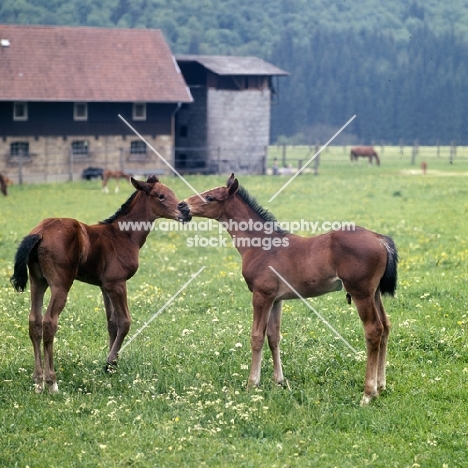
x=178, y=397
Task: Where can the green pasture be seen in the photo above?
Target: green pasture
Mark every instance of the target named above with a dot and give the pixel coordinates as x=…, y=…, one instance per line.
x=178, y=397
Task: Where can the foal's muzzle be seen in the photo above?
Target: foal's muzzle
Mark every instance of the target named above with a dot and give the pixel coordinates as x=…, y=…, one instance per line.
x=184, y=210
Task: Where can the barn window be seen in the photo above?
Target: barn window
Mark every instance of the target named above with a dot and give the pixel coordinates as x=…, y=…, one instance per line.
x=139, y=111
x=80, y=147
x=137, y=147
x=19, y=148
x=20, y=111
x=80, y=111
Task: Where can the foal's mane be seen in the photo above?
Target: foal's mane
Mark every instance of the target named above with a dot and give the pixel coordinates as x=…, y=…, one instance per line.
x=123, y=210
x=262, y=212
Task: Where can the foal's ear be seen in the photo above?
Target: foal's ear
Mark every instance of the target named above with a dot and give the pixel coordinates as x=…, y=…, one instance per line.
x=232, y=189
x=139, y=185
x=230, y=180
x=152, y=179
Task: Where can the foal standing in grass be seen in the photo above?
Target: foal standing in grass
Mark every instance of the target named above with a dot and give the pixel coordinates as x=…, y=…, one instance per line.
x=364, y=262
x=60, y=250
x=117, y=175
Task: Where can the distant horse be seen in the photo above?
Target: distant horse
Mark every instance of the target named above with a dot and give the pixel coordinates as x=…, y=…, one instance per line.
x=424, y=167
x=365, y=152
x=117, y=175
x=364, y=262
x=3, y=185
x=60, y=250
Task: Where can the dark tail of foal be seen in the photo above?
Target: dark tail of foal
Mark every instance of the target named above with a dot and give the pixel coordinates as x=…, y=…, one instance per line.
x=20, y=274
x=389, y=279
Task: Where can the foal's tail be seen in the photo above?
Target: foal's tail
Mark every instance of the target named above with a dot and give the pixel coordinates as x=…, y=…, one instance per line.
x=388, y=281
x=20, y=274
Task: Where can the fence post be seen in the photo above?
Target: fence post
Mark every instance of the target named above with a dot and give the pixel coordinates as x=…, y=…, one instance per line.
x=20, y=175
x=70, y=165
x=299, y=165
x=316, y=163
x=453, y=151
x=121, y=161
x=414, y=151
x=265, y=160
x=46, y=158
x=284, y=155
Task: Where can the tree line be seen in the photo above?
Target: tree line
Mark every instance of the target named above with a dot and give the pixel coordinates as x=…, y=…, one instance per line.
x=418, y=92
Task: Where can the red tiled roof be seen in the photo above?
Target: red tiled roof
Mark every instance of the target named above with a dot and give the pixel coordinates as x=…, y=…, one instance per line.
x=47, y=63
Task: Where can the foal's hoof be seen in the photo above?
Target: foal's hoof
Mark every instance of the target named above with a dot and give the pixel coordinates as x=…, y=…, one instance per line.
x=348, y=298
x=284, y=384
x=38, y=387
x=366, y=399
x=53, y=388
x=381, y=388
x=251, y=385
x=110, y=368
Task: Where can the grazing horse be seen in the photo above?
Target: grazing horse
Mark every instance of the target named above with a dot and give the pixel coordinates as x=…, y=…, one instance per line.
x=60, y=250
x=361, y=261
x=3, y=185
x=365, y=152
x=117, y=175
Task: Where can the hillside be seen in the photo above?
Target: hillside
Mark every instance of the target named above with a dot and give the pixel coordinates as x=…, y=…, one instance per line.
x=398, y=65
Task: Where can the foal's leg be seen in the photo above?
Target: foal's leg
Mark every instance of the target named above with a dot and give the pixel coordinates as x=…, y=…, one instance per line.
x=381, y=377
x=373, y=331
x=57, y=302
x=273, y=334
x=111, y=318
x=117, y=293
x=261, y=312
x=38, y=288
x=105, y=188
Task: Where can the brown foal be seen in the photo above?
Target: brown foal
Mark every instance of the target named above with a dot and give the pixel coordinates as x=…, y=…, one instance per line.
x=117, y=175
x=364, y=262
x=60, y=250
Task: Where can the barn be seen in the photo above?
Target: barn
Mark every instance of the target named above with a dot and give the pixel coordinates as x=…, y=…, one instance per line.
x=62, y=90
x=227, y=127
x=66, y=91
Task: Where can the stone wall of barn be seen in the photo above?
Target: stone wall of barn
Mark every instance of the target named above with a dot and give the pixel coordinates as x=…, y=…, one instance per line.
x=50, y=159
x=238, y=129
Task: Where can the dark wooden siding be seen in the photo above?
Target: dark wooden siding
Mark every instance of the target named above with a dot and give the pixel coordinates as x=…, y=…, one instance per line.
x=194, y=74
x=56, y=119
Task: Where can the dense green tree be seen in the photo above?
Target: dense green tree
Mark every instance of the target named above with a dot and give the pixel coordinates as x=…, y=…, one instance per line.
x=418, y=92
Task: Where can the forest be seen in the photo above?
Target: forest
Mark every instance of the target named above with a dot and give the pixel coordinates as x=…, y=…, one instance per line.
x=400, y=66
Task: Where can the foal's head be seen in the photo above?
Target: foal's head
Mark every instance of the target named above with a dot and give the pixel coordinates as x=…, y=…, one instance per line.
x=211, y=204
x=162, y=200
